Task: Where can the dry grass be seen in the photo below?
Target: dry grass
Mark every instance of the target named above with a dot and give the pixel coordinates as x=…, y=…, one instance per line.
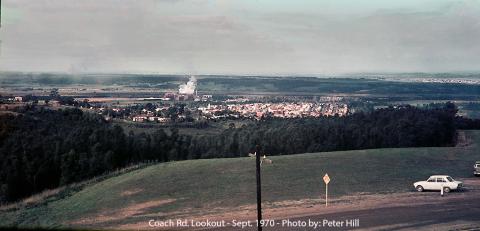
x=121, y=214
x=41, y=196
x=63, y=191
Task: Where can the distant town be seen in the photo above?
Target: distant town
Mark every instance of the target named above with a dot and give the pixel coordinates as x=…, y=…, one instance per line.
x=186, y=105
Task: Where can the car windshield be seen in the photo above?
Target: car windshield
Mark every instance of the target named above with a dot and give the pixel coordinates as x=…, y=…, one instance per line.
x=449, y=179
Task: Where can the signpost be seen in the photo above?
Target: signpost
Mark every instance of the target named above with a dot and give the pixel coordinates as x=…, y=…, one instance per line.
x=326, y=179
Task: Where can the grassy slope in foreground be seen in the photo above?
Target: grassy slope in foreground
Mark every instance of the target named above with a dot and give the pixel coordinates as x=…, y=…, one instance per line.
x=198, y=186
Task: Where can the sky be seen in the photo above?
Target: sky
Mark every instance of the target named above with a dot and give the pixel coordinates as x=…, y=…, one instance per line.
x=240, y=37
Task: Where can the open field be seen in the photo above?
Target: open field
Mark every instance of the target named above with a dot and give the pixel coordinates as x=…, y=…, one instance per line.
x=138, y=86
x=198, y=188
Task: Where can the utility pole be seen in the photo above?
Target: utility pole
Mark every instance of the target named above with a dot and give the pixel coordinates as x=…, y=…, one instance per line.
x=259, y=189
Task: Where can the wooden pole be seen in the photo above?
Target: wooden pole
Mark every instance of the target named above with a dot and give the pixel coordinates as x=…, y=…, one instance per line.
x=259, y=189
x=326, y=195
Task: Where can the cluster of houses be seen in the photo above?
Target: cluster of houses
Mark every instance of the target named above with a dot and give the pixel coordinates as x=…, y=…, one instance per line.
x=278, y=110
x=14, y=99
x=230, y=108
x=143, y=115
x=9, y=103
x=145, y=118
x=252, y=110
x=150, y=116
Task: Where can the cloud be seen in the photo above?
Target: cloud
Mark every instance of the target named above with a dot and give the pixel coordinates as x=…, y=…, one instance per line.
x=240, y=37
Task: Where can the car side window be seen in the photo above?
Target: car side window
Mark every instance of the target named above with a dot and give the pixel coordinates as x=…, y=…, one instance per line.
x=440, y=180
x=431, y=180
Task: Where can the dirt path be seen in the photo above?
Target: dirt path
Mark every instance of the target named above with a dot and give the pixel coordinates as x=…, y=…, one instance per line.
x=396, y=211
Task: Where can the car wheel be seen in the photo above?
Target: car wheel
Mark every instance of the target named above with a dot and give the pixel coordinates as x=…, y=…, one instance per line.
x=446, y=189
x=419, y=188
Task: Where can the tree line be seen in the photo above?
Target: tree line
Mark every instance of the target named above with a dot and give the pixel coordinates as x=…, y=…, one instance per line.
x=42, y=148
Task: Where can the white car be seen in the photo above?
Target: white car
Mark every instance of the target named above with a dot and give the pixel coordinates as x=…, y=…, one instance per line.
x=436, y=182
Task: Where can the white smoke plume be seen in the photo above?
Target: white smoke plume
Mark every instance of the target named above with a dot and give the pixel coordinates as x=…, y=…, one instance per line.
x=189, y=87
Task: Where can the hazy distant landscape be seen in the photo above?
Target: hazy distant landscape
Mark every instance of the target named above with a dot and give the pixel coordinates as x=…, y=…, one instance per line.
x=373, y=90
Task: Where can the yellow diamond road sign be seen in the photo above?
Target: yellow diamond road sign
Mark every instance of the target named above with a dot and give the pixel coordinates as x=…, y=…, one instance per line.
x=326, y=179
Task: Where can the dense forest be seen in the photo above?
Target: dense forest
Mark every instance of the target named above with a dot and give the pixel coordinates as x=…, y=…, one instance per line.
x=42, y=148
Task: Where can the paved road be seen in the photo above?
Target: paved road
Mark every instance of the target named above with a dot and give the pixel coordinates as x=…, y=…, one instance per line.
x=427, y=216
x=455, y=211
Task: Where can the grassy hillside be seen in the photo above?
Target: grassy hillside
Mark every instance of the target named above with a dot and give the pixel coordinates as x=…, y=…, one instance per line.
x=174, y=189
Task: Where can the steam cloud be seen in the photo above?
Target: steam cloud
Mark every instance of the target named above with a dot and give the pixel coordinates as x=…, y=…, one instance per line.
x=189, y=87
